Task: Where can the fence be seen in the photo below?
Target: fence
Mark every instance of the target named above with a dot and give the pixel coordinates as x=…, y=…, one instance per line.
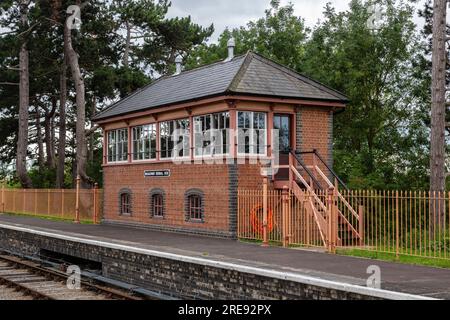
x=396, y=222
x=77, y=205
x=288, y=220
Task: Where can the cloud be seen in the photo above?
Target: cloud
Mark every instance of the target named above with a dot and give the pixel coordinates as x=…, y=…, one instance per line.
x=236, y=13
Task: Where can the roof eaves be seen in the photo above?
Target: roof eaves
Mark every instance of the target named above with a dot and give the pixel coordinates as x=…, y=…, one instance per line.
x=98, y=116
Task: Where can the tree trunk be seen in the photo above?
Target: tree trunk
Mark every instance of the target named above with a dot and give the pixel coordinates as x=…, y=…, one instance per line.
x=91, y=136
x=24, y=102
x=81, y=147
x=60, y=172
x=49, y=138
x=437, y=165
x=126, y=54
x=39, y=140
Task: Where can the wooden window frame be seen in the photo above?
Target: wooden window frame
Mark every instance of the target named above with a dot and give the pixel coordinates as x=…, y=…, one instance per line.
x=116, y=143
x=195, y=206
x=125, y=208
x=252, y=144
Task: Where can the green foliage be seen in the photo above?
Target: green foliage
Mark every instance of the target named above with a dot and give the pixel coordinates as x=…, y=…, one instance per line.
x=154, y=41
x=95, y=169
x=43, y=178
x=381, y=138
x=280, y=35
x=405, y=259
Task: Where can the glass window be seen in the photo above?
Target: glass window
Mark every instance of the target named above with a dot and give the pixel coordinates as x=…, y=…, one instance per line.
x=125, y=204
x=144, y=142
x=175, y=139
x=212, y=134
x=157, y=206
x=195, y=207
x=252, y=135
x=118, y=145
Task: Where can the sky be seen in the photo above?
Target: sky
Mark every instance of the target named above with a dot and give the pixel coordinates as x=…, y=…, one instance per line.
x=235, y=13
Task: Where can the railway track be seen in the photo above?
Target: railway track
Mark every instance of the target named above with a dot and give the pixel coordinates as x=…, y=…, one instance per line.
x=26, y=280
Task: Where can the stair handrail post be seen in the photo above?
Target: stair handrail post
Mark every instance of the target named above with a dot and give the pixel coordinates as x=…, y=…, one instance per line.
x=331, y=242
x=291, y=174
x=77, y=200
x=284, y=213
x=335, y=219
x=265, y=209
x=314, y=167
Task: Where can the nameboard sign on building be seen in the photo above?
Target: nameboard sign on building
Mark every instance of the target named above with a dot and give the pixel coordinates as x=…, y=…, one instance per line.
x=157, y=173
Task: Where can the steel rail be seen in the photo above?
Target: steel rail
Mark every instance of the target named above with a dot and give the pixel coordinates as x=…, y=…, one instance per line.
x=25, y=290
x=60, y=276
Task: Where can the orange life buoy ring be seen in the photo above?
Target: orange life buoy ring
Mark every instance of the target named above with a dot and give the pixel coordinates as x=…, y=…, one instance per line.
x=258, y=223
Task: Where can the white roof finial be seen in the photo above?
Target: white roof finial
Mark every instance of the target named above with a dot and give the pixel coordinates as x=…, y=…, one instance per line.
x=231, y=45
x=179, y=64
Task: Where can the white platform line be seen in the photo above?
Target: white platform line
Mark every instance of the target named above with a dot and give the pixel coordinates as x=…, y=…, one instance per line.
x=365, y=291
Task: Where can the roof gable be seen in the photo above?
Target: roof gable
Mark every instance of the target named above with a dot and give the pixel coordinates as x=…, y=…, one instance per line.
x=249, y=74
x=265, y=77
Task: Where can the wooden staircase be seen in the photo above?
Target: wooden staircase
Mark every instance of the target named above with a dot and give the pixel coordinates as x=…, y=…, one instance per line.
x=338, y=223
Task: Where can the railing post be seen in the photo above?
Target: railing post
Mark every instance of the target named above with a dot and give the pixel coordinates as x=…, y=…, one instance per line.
x=397, y=227
x=35, y=201
x=331, y=219
x=95, y=203
x=291, y=174
x=307, y=199
x=285, y=208
x=265, y=209
x=361, y=225
x=3, y=196
x=48, y=202
x=62, y=203
x=77, y=201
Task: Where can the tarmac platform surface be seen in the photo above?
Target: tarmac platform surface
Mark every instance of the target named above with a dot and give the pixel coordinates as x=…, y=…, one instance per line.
x=415, y=280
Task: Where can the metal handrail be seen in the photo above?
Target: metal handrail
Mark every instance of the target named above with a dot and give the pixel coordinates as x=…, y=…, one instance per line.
x=327, y=166
x=304, y=167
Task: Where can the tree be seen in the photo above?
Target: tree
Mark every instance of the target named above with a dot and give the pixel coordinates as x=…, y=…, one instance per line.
x=280, y=35
x=72, y=58
x=24, y=98
x=438, y=106
x=379, y=71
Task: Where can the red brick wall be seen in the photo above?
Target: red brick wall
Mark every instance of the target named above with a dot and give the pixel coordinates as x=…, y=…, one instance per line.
x=211, y=179
x=316, y=132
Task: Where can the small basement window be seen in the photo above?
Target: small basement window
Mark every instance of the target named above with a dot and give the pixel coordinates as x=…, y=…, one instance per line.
x=125, y=203
x=157, y=203
x=195, y=206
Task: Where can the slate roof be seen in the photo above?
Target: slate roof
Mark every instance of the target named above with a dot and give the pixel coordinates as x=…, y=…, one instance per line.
x=249, y=74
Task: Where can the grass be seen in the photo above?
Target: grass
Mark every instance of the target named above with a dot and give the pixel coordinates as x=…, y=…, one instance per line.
x=381, y=256
x=44, y=217
x=405, y=259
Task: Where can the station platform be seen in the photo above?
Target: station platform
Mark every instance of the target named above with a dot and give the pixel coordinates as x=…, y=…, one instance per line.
x=399, y=281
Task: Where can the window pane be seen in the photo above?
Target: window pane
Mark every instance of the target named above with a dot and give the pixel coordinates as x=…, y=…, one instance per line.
x=252, y=133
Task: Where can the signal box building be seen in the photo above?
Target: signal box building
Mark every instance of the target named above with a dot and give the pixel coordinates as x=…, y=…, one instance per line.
x=161, y=173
